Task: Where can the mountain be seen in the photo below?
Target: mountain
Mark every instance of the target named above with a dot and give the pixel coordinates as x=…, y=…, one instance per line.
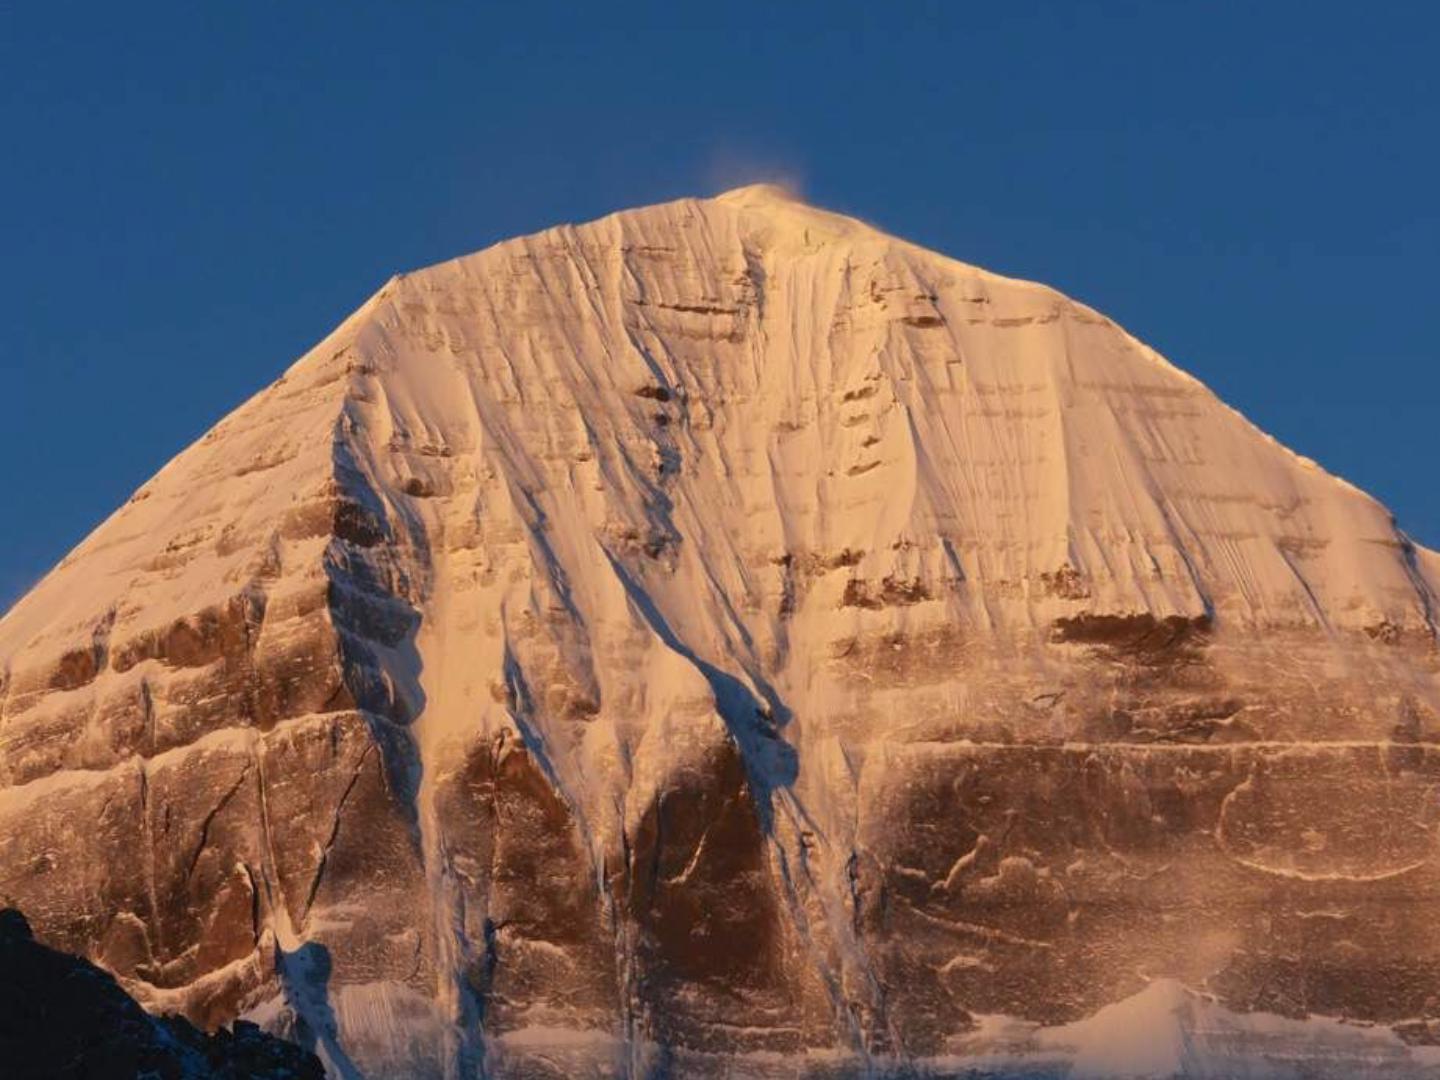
x=725, y=639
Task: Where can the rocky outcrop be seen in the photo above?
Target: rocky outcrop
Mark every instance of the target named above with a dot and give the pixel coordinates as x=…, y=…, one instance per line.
x=61, y=1017
x=723, y=637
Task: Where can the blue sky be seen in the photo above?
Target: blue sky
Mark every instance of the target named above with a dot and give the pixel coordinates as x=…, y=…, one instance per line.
x=190, y=195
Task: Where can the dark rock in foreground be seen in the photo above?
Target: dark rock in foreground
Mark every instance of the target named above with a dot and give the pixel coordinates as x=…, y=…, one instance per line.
x=62, y=1017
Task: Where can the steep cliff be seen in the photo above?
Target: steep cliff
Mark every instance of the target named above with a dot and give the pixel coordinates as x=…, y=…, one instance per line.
x=724, y=632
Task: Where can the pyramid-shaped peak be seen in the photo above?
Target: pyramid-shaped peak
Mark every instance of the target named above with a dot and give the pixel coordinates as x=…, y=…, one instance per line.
x=720, y=537
x=768, y=191
x=780, y=203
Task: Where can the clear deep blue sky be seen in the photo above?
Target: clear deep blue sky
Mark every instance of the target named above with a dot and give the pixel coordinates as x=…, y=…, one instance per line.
x=191, y=195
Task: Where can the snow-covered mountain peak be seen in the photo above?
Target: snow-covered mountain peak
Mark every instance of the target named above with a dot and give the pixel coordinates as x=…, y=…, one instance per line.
x=725, y=570
x=764, y=193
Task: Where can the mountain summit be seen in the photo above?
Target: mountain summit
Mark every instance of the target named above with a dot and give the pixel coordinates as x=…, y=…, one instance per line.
x=723, y=636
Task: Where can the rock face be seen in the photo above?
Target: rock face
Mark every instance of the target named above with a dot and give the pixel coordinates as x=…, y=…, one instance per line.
x=62, y=1018
x=723, y=636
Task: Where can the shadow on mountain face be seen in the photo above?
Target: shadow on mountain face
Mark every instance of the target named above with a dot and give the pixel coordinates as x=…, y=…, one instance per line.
x=63, y=1018
x=306, y=975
